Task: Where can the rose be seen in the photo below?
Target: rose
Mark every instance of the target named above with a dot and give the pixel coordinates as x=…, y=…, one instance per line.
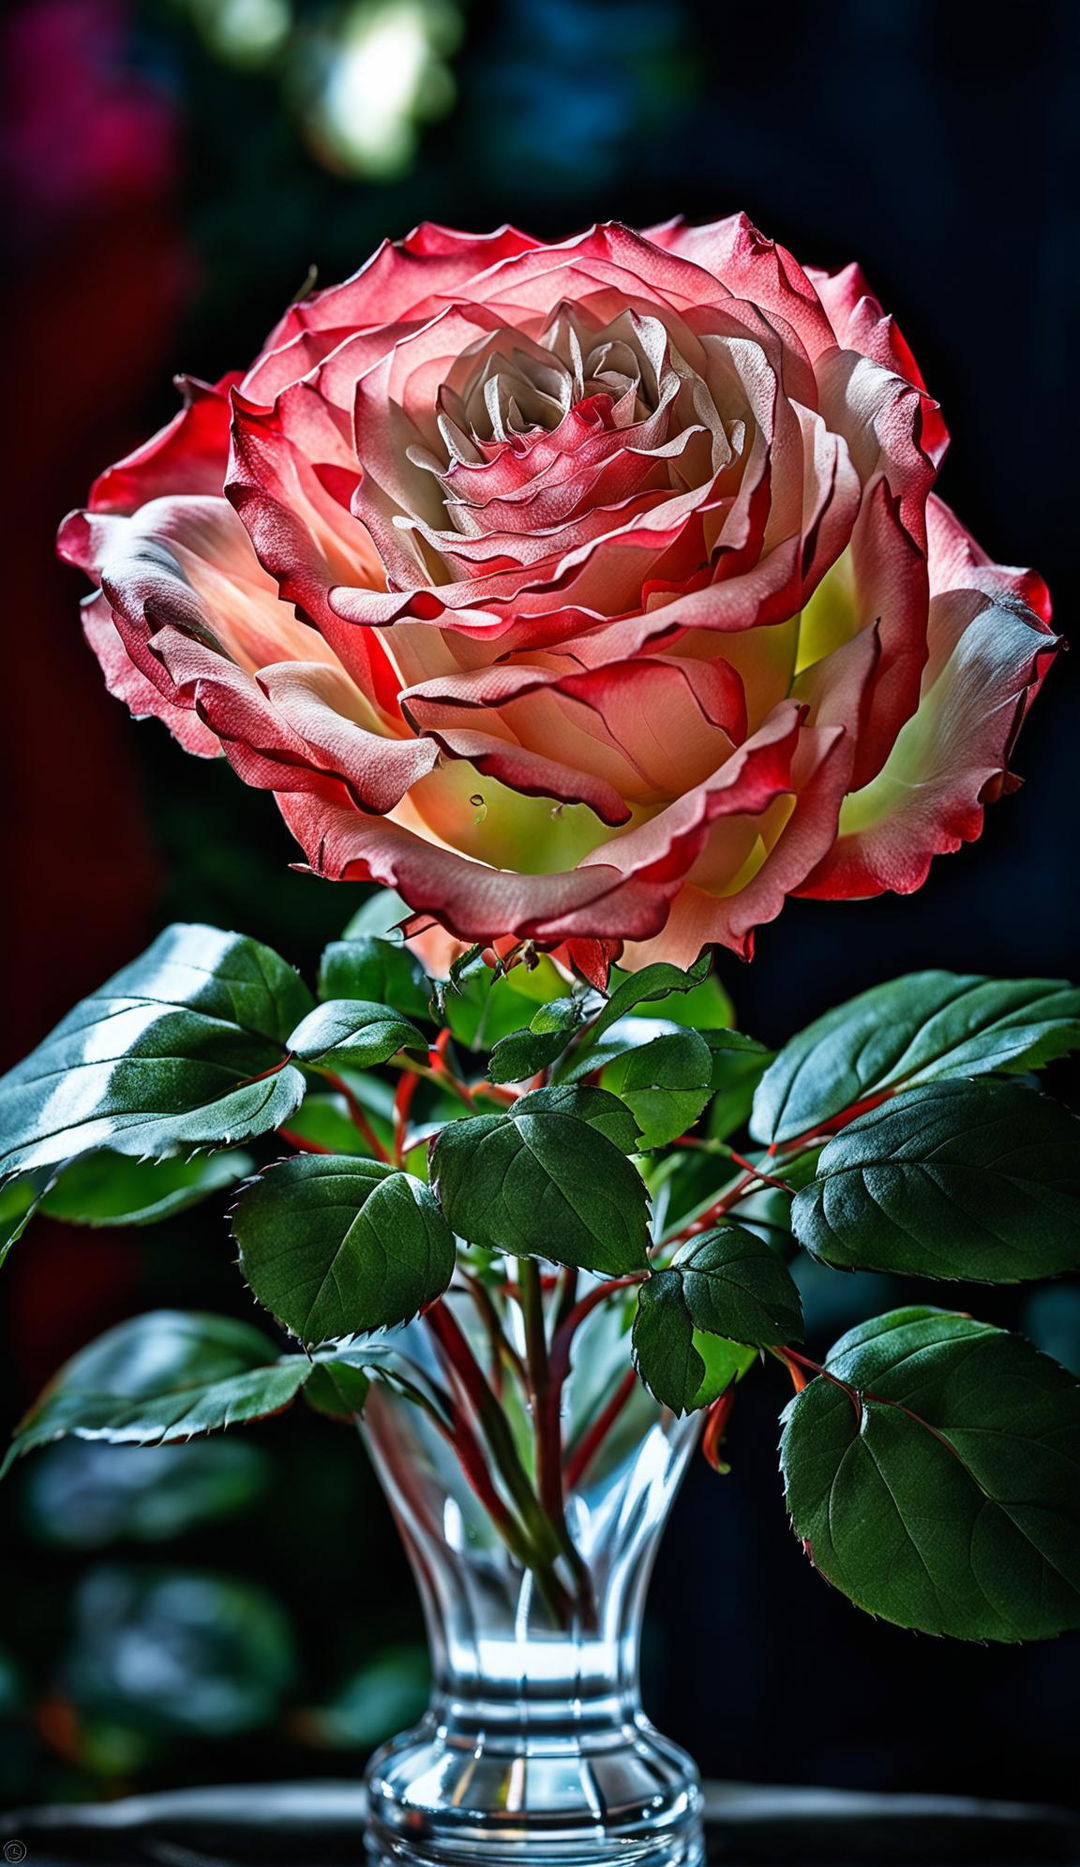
x=592, y=594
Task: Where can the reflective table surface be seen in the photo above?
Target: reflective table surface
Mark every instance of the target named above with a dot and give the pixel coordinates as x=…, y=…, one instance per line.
x=322, y=1825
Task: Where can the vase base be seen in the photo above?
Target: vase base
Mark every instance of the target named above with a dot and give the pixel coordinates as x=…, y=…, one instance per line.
x=631, y=1796
x=684, y=1850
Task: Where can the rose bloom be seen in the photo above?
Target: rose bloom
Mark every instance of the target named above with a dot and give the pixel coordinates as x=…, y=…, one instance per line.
x=593, y=595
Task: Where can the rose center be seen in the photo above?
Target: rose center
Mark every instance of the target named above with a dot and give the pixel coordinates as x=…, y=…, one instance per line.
x=522, y=387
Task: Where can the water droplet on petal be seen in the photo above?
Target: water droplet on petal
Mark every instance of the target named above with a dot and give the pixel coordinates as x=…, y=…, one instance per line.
x=478, y=804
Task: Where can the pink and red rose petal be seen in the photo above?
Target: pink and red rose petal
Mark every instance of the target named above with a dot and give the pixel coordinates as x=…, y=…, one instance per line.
x=593, y=594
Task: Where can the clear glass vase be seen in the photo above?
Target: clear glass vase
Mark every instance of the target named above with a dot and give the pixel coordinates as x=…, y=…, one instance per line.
x=535, y=1747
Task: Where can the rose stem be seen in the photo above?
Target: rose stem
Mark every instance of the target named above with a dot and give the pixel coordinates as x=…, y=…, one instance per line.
x=442, y=1078
x=568, y=1328
x=546, y=1397
x=582, y=1454
x=530, y=1296
x=359, y=1119
x=568, y=1283
x=442, y=1071
x=493, y=1423
x=497, y=1092
x=835, y=1122
x=458, y=1433
x=403, y=1095
x=502, y=1350
x=301, y=1144
x=716, y=1209
x=476, y=1471
x=716, y=1424
x=537, y=1554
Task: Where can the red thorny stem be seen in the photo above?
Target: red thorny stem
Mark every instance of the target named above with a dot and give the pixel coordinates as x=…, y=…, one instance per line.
x=301, y=1143
x=564, y=1334
x=716, y=1425
x=539, y=1536
x=545, y=1390
x=717, y=1210
x=795, y=1364
x=403, y=1095
x=356, y=1115
x=836, y=1122
x=583, y=1453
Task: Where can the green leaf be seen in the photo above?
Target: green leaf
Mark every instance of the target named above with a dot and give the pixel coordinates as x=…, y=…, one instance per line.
x=629, y=1033
x=19, y=1200
x=638, y=988
x=382, y=971
x=523, y=1053
x=603, y=1111
x=666, y=1084
x=353, y=1032
x=325, y=1120
x=483, y=1005
x=342, y=1374
x=940, y=1491
x=333, y=1245
x=724, y=1362
x=181, y=1049
x=113, y=1189
x=663, y=1340
x=739, y=1063
x=541, y=1181
x=338, y=1388
x=723, y=1041
x=167, y=1375
x=705, y=1007
x=914, y=1030
x=978, y=1181
x=736, y=1286
x=82, y=1495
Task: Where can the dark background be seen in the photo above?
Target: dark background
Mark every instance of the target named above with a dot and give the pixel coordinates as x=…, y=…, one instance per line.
x=240, y=1608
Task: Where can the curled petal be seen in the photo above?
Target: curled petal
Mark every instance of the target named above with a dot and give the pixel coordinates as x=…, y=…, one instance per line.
x=756, y=268
x=187, y=561
x=188, y=455
x=142, y=696
x=860, y=324
x=621, y=893
x=988, y=658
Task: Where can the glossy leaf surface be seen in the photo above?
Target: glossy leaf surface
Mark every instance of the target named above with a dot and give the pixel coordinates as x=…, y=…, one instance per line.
x=663, y=1341
x=166, y=1375
x=665, y=1084
x=180, y=1049
x=926, y=1026
x=736, y=1286
x=978, y=1181
x=937, y=1487
x=354, y=1032
x=382, y=971
x=333, y=1245
x=541, y=1181
x=523, y=1053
